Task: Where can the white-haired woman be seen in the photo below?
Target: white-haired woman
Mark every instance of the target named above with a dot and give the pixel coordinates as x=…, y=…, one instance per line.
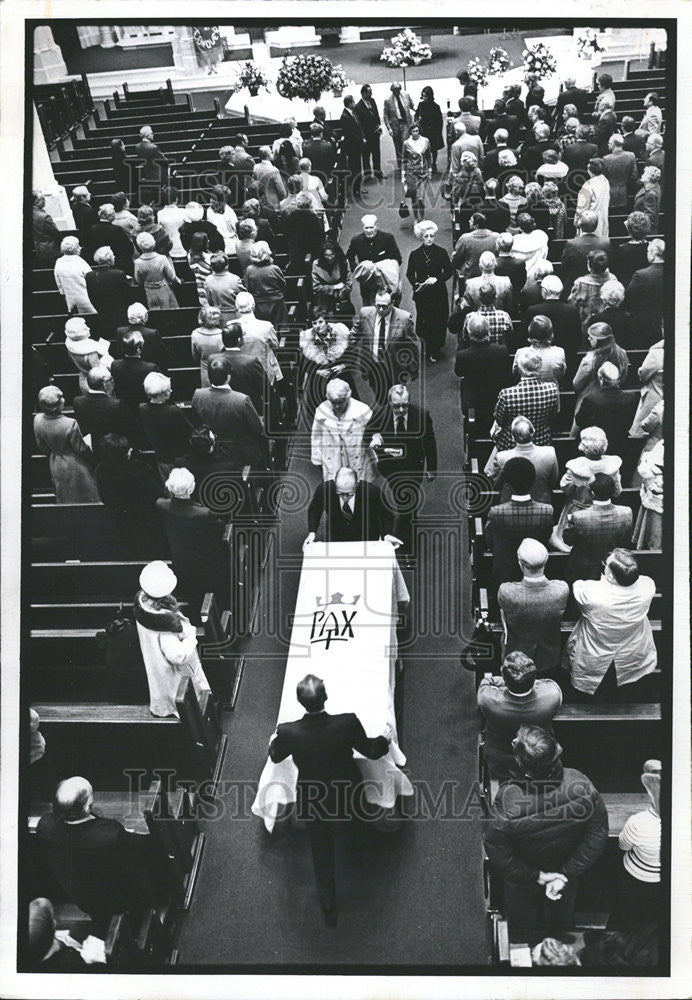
x=206, y=339
x=648, y=530
x=428, y=271
x=416, y=169
x=266, y=283
x=619, y=321
x=156, y=273
x=222, y=216
x=467, y=182
x=530, y=244
x=85, y=353
x=338, y=432
x=70, y=273
x=648, y=197
x=651, y=377
x=167, y=638
x=71, y=460
x=579, y=473
x=513, y=199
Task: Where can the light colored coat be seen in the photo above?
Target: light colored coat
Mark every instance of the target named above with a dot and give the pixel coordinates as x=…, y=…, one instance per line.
x=340, y=442
x=613, y=627
x=260, y=330
x=169, y=656
x=594, y=196
x=69, y=272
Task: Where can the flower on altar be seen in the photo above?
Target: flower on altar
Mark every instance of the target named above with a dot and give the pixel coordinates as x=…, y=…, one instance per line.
x=339, y=81
x=252, y=77
x=498, y=61
x=539, y=62
x=304, y=77
x=477, y=72
x=407, y=49
x=588, y=44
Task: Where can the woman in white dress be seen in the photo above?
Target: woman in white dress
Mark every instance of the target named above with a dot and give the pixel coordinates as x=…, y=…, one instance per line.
x=70, y=276
x=167, y=638
x=594, y=196
x=222, y=216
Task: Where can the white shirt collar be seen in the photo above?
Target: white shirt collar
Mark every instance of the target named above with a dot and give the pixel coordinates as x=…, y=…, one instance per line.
x=523, y=497
x=221, y=387
x=601, y=503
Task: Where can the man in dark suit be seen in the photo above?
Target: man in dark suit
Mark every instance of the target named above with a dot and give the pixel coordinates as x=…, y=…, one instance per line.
x=491, y=165
x=517, y=698
x=621, y=171
x=354, y=143
x=99, y=864
x=98, y=413
x=606, y=125
x=497, y=216
x=45, y=233
x=322, y=748
x=106, y=234
x=501, y=121
x=644, y=296
x=247, y=372
x=532, y=152
x=571, y=94
x=388, y=349
x=508, y=524
x=403, y=439
x=563, y=315
x=513, y=102
x=153, y=349
x=165, y=424
x=199, y=224
x=154, y=166
x=322, y=154
x=371, y=124
x=509, y=267
x=195, y=537
x=609, y=407
x=578, y=153
x=355, y=511
x=485, y=369
x=130, y=371
x=109, y=292
x=372, y=244
x=578, y=249
x=532, y=609
x=595, y=531
x=232, y=417
x=634, y=141
x=319, y=116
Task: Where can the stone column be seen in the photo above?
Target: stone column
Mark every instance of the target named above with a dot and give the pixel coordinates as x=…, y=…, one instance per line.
x=49, y=65
x=43, y=180
x=184, y=52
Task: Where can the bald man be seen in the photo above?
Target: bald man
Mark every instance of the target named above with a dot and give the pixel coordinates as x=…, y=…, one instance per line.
x=99, y=864
x=355, y=511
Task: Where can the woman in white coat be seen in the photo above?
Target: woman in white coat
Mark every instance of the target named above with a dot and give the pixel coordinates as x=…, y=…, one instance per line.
x=70, y=276
x=594, y=196
x=167, y=638
x=338, y=431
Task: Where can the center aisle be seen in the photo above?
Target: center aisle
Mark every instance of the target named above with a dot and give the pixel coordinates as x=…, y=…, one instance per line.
x=416, y=896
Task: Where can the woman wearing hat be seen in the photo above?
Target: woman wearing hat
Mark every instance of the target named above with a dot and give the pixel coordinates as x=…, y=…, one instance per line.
x=167, y=638
x=85, y=352
x=70, y=459
x=70, y=276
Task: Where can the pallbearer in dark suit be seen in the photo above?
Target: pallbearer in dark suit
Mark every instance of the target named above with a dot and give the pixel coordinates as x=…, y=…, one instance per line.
x=354, y=142
x=429, y=269
x=371, y=124
x=322, y=748
x=402, y=437
x=355, y=511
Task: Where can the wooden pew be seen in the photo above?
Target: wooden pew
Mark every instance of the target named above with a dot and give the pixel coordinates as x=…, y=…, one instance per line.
x=480, y=449
x=109, y=743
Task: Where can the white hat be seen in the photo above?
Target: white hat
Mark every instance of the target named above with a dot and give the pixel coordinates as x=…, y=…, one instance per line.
x=157, y=579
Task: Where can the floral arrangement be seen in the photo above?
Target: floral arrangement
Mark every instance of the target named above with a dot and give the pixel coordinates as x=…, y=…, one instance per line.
x=252, y=77
x=588, y=44
x=339, y=81
x=539, y=62
x=477, y=72
x=498, y=61
x=407, y=49
x=304, y=77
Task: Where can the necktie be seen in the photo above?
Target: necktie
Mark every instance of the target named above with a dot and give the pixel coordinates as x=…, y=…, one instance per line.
x=402, y=111
x=400, y=426
x=379, y=339
x=346, y=510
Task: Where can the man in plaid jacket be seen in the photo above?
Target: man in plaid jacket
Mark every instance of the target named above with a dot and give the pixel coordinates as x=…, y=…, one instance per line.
x=595, y=531
x=508, y=524
x=499, y=321
x=539, y=401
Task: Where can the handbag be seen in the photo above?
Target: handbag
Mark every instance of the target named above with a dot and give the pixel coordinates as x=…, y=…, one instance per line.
x=404, y=210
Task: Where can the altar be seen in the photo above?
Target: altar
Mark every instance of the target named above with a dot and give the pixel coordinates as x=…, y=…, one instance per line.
x=344, y=631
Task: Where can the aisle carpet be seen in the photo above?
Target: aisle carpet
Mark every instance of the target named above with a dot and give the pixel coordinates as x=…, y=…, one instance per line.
x=416, y=897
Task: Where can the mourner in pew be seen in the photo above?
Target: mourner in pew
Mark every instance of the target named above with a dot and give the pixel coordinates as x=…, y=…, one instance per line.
x=553, y=361
x=154, y=348
x=98, y=412
x=167, y=638
x=614, y=631
x=99, y=864
x=638, y=883
x=42, y=779
x=579, y=473
x=597, y=530
x=539, y=852
x=232, y=417
x=608, y=406
x=50, y=950
x=644, y=297
x=563, y=315
x=619, y=321
x=71, y=460
x=521, y=517
x=70, y=272
x=517, y=698
x=648, y=531
x=530, y=397
x=165, y=423
x=106, y=233
x=577, y=250
x=197, y=223
x=127, y=486
x=532, y=609
x=542, y=457
x=109, y=292
x=130, y=371
x=485, y=370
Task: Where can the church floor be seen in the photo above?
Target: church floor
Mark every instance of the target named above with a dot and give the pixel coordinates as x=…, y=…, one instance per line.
x=415, y=897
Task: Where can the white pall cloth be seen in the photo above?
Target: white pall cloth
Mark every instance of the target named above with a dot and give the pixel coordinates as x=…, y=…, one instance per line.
x=361, y=583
